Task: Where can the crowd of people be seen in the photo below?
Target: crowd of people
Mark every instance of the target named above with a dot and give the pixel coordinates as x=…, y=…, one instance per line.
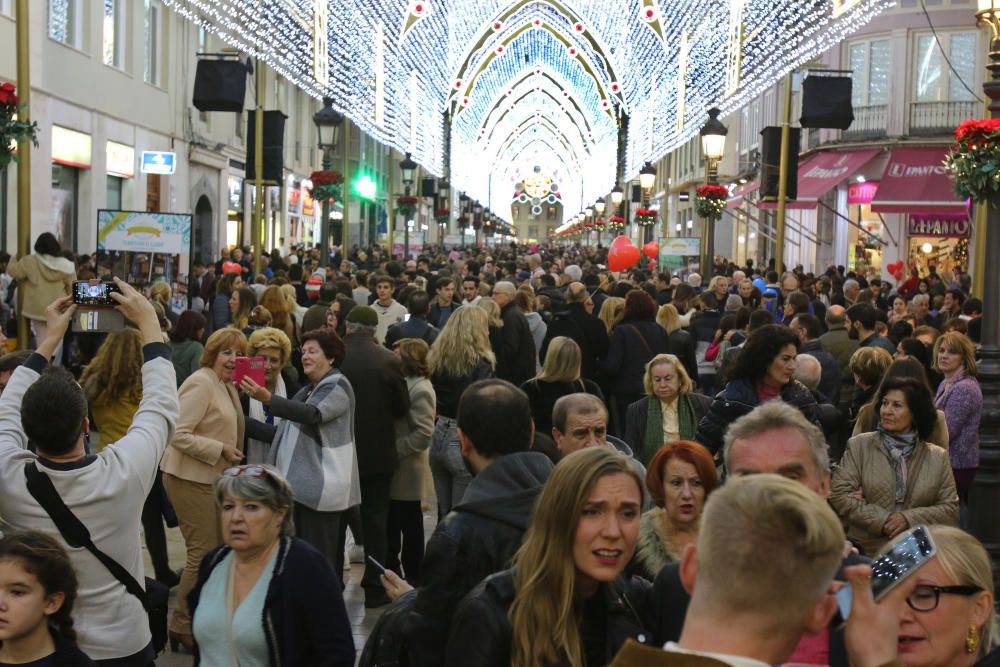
x=626, y=467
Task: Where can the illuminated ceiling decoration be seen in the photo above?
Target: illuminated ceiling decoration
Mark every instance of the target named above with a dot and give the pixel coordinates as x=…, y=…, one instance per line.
x=527, y=83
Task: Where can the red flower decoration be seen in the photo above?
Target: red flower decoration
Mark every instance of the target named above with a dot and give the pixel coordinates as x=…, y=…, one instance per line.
x=442, y=211
x=407, y=201
x=326, y=178
x=977, y=129
x=616, y=220
x=8, y=96
x=713, y=191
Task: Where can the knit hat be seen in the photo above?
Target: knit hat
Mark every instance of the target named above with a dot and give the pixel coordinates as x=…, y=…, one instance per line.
x=364, y=315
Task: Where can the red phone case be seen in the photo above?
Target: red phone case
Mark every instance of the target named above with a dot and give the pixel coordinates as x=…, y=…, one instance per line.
x=252, y=367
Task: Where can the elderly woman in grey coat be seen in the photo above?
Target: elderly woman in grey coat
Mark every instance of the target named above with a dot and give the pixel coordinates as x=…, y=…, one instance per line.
x=313, y=447
x=412, y=480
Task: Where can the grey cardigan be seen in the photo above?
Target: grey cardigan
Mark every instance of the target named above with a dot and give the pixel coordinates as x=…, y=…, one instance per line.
x=314, y=444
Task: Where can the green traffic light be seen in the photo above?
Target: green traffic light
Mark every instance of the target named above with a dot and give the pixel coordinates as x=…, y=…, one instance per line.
x=365, y=187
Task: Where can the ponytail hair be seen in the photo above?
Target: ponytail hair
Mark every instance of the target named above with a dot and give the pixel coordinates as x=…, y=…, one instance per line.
x=47, y=561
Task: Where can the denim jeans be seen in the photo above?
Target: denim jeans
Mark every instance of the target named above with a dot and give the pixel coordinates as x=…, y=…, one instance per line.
x=451, y=477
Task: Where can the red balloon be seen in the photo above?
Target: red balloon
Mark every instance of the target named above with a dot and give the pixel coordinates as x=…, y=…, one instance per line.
x=622, y=255
x=651, y=249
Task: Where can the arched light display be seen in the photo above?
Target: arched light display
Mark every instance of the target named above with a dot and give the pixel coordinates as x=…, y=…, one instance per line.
x=399, y=68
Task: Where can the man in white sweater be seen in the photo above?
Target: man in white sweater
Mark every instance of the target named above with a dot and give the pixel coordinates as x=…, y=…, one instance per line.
x=105, y=491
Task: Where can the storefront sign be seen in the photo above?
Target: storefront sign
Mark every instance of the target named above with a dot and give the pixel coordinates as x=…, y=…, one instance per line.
x=158, y=162
x=917, y=182
x=235, y=194
x=861, y=193
x=293, y=200
x=70, y=148
x=308, y=205
x=168, y=233
x=953, y=226
x=120, y=159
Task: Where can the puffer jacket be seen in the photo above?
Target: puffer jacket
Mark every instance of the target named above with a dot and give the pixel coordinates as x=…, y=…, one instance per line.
x=739, y=398
x=931, y=497
x=43, y=279
x=481, y=632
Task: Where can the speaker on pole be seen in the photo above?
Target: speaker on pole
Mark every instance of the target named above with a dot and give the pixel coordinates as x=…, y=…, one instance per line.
x=428, y=186
x=274, y=142
x=636, y=194
x=220, y=85
x=826, y=102
x=770, y=161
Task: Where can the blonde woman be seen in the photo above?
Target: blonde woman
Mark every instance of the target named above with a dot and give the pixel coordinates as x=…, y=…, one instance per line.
x=161, y=293
x=273, y=346
x=461, y=355
x=682, y=343
x=208, y=439
x=558, y=581
x=297, y=311
x=281, y=314
x=611, y=312
x=560, y=376
x=495, y=321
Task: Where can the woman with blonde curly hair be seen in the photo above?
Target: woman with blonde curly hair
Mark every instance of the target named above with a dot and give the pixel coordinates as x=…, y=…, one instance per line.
x=611, y=312
x=461, y=354
x=565, y=601
x=113, y=384
x=272, y=345
x=495, y=323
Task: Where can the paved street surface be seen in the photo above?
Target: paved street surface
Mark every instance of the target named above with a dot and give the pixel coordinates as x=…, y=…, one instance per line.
x=361, y=622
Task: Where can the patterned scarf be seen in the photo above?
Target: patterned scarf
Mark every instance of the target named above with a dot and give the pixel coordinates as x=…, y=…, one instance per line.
x=899, y=446
x=653, y=437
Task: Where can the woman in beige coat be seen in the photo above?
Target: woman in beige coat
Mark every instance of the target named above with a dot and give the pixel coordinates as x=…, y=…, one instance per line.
x=867, y=420
x=892, y=479
x=43, y=277
x=208, y=440
x=411, y=482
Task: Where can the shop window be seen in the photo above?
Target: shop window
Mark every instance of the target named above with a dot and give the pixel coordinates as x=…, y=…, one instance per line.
x=65, y=18
x=152, y=192
x=869, y=62
x=115, y=188
x=113, y=39
x=65, y=201
x=152, y=31
x=7, y=8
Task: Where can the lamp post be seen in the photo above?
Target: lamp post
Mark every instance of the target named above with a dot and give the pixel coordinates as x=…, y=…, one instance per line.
x=713, y=145
x=407, y=168
x=444, y=201
x=647, y=178
x=328, y=121
x=599, y=206
x=477, y=215
x=984, y=496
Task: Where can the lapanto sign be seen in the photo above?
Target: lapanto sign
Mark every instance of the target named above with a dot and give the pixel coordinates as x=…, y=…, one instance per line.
x=661, y=63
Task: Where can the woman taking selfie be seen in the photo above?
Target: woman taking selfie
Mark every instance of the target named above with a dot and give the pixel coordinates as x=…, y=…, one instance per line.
x=566, y=577
x=39, y=588
x=273, y=346
x=671, y=410
x=265, y=597
x=893, y=479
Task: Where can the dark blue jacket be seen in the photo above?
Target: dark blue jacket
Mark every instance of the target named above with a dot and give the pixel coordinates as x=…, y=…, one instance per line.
x=305, y=621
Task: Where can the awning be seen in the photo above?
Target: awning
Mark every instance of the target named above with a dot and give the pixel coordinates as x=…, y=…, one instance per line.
x=916, y=181
x=736, y=199
x=822, y=172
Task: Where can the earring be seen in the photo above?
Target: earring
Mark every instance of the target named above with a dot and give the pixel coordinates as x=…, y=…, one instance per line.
x=972, y=640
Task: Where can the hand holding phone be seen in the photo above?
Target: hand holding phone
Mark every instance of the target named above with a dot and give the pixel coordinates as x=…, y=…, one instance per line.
x=251, y=367
x=94, y=293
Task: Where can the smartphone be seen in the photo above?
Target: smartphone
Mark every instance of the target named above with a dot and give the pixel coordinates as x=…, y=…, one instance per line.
x=892, y=568
x=378, y=565
x=94, y=293
x=251, y=367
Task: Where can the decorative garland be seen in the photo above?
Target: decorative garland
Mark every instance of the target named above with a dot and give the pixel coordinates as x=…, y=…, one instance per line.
x=710, y=200
x=442, y=215
x=327, y=186
x=477, y=224
x=975, y=160
x=463, y=222
x=599, y=224
x=645, y=217
x=616, y=223
x=406, y=206
x=13, y=131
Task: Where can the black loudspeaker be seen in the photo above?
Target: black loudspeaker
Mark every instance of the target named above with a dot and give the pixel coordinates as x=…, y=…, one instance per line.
x=220, y=85
x=274, y=142
x=770, y=160
x=826, y=102
x=636, y=194
x=428, y=187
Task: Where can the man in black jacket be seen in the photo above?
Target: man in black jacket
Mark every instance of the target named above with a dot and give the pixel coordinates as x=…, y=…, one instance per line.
x=482, y=533
x=380, y=397
x=444, y=304
x=516, y=359
x=574, y=322
x=416, y=325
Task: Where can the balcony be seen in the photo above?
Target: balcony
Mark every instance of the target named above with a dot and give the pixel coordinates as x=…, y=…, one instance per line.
x=870, y=121
x=939, y=117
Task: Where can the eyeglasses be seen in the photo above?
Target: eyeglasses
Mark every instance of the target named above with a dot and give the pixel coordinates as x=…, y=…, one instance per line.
x=247, y=471
x=926, y=597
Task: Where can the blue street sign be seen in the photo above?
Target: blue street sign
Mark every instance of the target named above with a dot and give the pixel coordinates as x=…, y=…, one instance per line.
x=158, y=162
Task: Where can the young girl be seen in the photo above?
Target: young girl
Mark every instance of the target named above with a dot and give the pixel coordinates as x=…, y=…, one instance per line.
x=37, y=590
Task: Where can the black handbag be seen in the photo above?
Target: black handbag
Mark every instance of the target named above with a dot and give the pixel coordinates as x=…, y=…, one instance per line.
x=153, y=598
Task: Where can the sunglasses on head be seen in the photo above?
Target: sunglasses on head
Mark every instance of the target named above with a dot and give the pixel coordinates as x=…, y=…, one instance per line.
x=247, y=471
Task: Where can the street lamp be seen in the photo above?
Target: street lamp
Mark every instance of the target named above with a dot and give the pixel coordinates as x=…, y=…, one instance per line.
x=617, y=196
x=444, y=201
x=599, y=206
x=647, y=176
x=713, y=145
x=985, y=494
x=477, y=215
x=328, y=121
x=408, y=168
